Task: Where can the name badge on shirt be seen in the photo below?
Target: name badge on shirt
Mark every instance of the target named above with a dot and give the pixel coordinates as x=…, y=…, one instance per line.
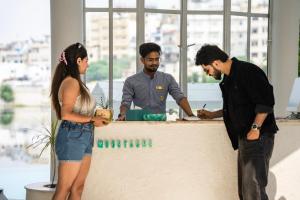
x=159, y=87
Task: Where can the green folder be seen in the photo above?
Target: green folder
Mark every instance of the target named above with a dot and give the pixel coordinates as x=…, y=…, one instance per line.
x=144, y=115
x=136, y=115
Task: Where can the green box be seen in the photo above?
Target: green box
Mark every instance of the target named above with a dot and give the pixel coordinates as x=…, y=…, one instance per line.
x=136, y=115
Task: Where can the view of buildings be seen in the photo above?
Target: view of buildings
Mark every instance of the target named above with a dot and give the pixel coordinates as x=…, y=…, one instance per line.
x=164, y=29
x=25, y=68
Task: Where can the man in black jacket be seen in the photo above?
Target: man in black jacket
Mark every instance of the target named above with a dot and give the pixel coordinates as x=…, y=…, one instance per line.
x=248, y=102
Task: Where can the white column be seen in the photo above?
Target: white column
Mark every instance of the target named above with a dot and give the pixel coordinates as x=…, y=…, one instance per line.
x=66, y=28
x=284, y=63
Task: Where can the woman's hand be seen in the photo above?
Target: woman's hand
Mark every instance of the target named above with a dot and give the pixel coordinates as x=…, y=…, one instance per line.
x=99, y=121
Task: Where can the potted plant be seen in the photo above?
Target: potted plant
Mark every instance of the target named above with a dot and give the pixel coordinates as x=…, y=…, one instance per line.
x=103, y=109
x=47, y=140
x=44, y=190
x=102, y=106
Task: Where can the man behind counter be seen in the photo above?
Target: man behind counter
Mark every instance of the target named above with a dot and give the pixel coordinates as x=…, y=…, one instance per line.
x=149, y=88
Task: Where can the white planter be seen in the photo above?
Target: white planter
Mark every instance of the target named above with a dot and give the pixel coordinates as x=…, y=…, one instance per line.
x=37, y=191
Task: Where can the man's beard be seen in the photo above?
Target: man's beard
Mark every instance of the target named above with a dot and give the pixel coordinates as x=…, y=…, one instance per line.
x=217, y=75
x=152, y=68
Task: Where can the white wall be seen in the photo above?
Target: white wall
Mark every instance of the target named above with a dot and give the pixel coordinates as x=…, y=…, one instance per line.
x=284, y=63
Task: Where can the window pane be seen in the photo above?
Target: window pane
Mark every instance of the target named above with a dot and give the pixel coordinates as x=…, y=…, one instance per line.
x=238, y=38
x=25, y=71
x=96, y=3
x=259, y=6
x=97, y=43
x=258, y=41
x=124, y=63
x=124, y=4
x=163, y=4
x=202, y=88
x=205, y=5
x=164, y=29
x=239, y=5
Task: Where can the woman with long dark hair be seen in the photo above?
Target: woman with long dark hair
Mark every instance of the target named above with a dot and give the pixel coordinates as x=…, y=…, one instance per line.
x=75, y=106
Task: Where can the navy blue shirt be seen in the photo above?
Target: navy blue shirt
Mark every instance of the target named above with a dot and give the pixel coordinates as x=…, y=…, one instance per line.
x=150, y=94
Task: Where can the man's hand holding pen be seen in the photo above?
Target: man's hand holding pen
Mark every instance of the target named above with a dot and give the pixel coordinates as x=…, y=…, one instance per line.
x=205, y=114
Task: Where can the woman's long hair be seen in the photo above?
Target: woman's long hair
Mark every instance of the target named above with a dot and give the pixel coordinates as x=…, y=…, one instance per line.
x=67, y=66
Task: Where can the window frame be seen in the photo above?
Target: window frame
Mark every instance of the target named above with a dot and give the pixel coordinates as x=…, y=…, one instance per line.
x=140, y=11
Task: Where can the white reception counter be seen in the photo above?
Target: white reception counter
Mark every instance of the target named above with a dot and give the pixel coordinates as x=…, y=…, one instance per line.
x=182, y=160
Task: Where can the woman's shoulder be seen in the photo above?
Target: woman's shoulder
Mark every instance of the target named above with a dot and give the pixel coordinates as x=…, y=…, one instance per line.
x=69, y=83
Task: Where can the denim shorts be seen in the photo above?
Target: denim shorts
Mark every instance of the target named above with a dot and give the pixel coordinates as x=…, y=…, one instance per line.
x=74, y=141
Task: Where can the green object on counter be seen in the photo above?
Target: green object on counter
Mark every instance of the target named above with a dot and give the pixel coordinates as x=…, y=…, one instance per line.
x=135, y=115
x=144, y=115
x=155, y=117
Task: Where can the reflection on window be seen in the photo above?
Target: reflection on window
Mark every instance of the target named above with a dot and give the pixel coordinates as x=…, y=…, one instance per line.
x=202, y=88
x=200, y=30
x=124, y=4
x=163, y=29
x=239, y=5
x=258, y=49
x=259, y=6
x=24, y=95
x=124, y=53
x=238, y=47
x=96, y=3
x=205, y=5
x=98, y=52
x=165, y=4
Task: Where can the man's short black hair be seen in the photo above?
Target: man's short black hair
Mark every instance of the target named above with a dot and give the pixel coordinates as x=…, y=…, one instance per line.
x=208, y=54
x=149, y=47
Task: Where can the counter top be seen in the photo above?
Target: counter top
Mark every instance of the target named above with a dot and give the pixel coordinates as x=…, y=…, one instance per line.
x=215, y=121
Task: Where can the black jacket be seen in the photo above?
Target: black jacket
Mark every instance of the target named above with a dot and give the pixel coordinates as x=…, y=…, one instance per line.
x=246, y=91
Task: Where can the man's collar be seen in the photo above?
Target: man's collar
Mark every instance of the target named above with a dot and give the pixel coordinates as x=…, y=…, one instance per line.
x=147, y=75
x=232, y=67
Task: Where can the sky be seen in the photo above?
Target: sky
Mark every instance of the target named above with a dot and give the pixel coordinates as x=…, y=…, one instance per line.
x=24, y=19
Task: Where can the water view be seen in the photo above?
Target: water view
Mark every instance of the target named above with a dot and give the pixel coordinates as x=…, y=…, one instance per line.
x=20, y=165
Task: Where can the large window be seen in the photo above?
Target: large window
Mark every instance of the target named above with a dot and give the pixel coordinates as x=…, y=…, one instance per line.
x=181, y=27
x=24, y=101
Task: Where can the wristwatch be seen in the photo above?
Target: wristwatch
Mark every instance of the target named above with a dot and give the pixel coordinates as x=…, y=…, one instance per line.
x=255, y=126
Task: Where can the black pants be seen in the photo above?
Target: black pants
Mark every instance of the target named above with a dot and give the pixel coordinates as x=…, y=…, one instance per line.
x=253, y=167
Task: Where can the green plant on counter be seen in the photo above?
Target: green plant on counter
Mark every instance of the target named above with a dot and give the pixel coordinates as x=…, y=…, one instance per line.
x=47, y=140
